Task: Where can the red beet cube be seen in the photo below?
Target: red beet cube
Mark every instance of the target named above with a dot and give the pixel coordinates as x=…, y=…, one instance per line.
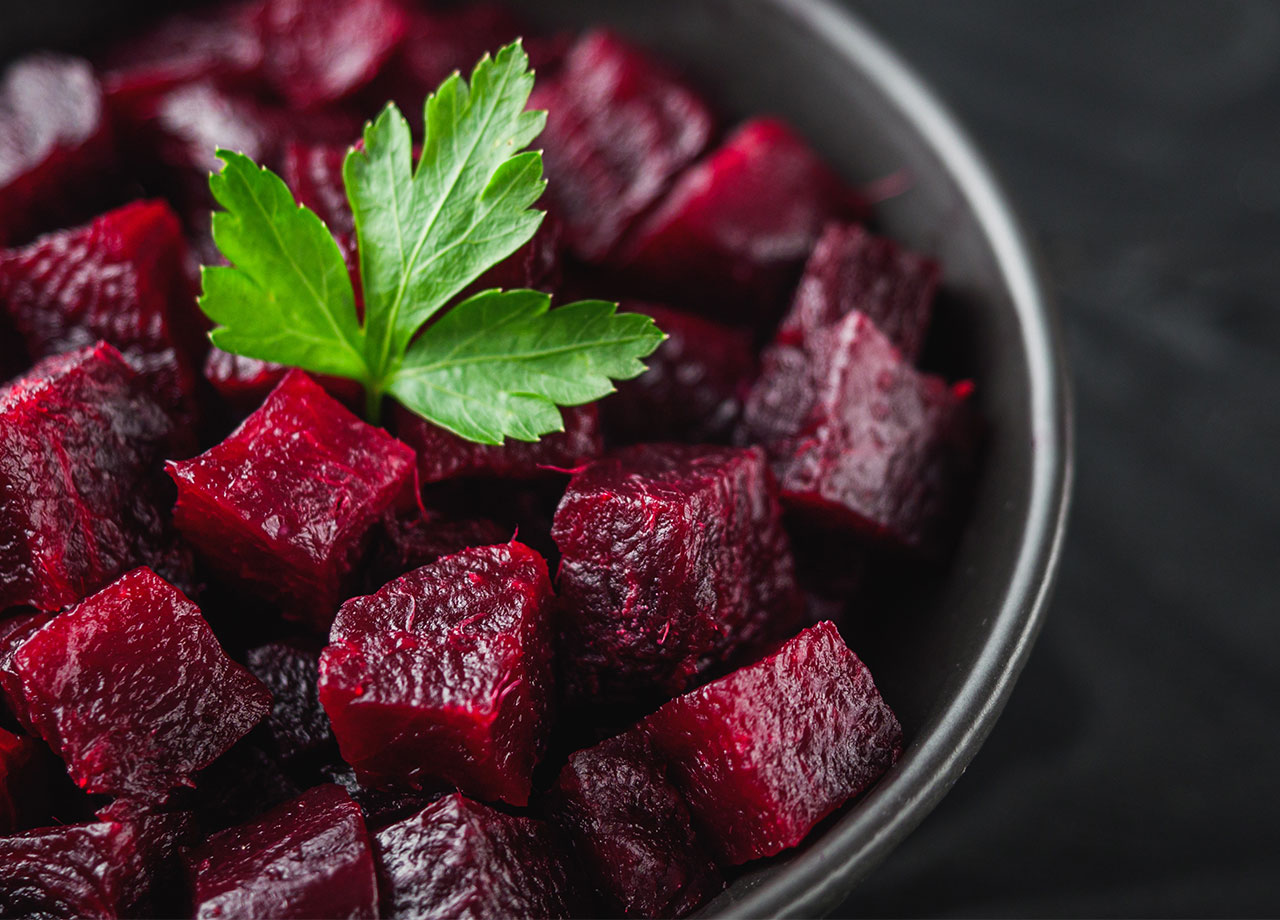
x=310, y=857
x=443, y=455
x=733, y=232
x=694, y=388
x=321, y=52
x=410, y=541
x=77, y=870
x=458, y=858
x=445, y=673
x=859, y=438
x=156, y=888
x=850, y=269
x=122, y=279
x=81, y=441
x=55, y=143
x=674, y=560
x=619, y=129
x=286, y=503
x=132, y=690
x=631, y=828
x=297, y=724
x=22, y=788
x=15, y=630
x=244, y=383
x=767, y=752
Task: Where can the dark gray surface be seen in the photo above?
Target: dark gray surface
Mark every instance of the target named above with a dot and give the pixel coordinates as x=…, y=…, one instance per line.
x=1136, y=769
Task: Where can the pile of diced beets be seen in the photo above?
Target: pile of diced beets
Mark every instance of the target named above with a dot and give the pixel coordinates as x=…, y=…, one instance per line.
x=259, y=658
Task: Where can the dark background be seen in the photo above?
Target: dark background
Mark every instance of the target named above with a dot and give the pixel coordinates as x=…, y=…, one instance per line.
x=1136, y=770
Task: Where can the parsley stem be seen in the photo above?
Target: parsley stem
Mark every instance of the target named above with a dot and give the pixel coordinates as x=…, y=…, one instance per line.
x=373, y=404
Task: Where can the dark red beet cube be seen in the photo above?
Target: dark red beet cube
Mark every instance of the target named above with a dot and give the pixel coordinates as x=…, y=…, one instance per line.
x=851, y=269
x=445, y=673
x=309, y=857
x=156, y=889
x=22, y=787
x=458, y=858
x=321, y=52
x=55, y=143
x=81, y=441
x=122, y=279
x=733, y=232
x=244, y=383
x=443, y=455
x=860, y=439
x=296, y=723
x=132, y=690
x=409, y=541
x=694, y=388
x=674, y=560
x=619, y=129
x=767, y=752
x=286, y=503
x=631, y=828
x=77, y=870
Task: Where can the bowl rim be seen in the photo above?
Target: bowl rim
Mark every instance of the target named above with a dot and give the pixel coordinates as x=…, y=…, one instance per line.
x=816, y=879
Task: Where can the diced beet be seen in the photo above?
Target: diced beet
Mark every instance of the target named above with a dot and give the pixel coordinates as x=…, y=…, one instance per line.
x=310, y=857
x=674, y=560
x=443, y=455
x=121, y=279
x=458, y=858
x=619, y=129
x=445, y=673
x=297, y=724
x=81, y=498
x=851, y=269
x=78, y=870
x=631, y=829
x=321, y=52
x=55, y=143
x=381, y=806
x=22, y=786
x=408, y=541
x=767, y=752
x=313, y=173
x=244, y=383
x=157, y=889
x=694, y=388
x=286, y=503
x=131, y=689
x=16, y=629
x=731, y=235
x=860, y=439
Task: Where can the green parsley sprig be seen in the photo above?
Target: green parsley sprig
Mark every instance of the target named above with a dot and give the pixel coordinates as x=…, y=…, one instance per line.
x=496, y=365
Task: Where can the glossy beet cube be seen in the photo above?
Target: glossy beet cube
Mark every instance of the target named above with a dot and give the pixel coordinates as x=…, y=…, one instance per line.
x=851, y=269
x=631, y=828
x=619, y=129
x=733, y=232
x=22, y=786
x=296, y=723
x=445, y=673
x=321, y=52
x=55, y=143
x=156, y=889
x=458, y=858
x=694, y=388
x=408, y=541
x=122, y=279
x=309, y=857
x=80, y=440
x=443, y=455
x=860, y=439
x=132, y=690
x=767, y=752
x=286, y=503
x=674, y=560
x=16, y=629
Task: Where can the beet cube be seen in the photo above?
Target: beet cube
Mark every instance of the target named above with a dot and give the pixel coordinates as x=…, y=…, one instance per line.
x=132, y=690
x=296, y=723
x=77, y=870
x=445, y=673
x=765, y=753
x=306, y=858
x=694, y=388
x=321, y=52
x=443, y=455
x=631, y=829
x=674, y=560
x=732, y=233
x=850, y=269
x=245, y=382
x=55, y=143
x=860, y=439
x=22, y=787
x=122, y=279
x=458, y=858
x=410, y=541
x=286, y=503
x=81, y=498
x=619, y=129
x=15, y=630
x=156, y=889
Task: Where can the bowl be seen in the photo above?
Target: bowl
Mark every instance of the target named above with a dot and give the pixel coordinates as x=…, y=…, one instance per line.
x=947, y=655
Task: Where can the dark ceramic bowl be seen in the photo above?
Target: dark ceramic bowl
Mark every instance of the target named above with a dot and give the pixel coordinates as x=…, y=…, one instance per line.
x=947, y=656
